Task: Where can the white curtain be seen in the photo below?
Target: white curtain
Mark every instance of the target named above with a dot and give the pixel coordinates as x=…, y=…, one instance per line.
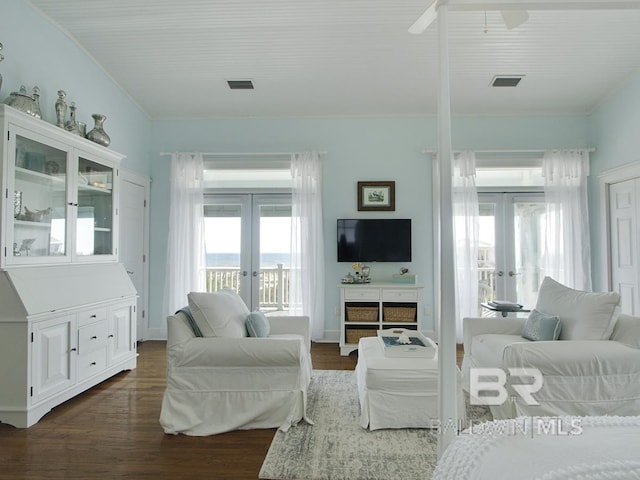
x=465, y=232
x=306, y=281
x=567, y=251
x=186, y=255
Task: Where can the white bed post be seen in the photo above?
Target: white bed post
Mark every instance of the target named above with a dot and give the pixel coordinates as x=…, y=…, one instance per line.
x=447, y=372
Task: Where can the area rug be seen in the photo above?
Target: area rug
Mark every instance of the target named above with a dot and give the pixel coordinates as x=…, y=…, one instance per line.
x=337, y=448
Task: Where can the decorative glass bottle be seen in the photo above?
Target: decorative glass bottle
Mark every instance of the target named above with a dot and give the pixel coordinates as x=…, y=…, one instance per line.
x=97, y=134
x=72, y=125
x=61, y=109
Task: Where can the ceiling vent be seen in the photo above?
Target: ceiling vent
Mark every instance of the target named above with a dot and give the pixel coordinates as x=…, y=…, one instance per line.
x=506, y=80
x=240, y=84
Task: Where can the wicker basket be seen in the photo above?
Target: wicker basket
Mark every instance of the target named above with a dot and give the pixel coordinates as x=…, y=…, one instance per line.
x=362, y=314
x=355, y=334
x=399, y=314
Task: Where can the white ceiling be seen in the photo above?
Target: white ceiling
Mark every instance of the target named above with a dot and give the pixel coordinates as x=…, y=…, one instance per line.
x=346, y=57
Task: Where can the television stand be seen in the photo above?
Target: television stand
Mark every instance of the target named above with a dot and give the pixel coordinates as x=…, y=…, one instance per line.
x=367, y=308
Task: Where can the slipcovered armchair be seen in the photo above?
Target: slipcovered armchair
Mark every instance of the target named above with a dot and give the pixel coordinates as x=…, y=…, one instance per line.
x=219, y=378
x=591, y=367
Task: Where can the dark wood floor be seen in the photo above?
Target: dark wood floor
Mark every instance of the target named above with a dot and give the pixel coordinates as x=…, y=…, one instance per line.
x=112, y=431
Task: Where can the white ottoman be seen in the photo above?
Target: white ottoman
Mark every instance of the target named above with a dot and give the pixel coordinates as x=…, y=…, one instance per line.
x=398, y=392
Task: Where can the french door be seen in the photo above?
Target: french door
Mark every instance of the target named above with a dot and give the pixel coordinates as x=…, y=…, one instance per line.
x=248, y=247
x=511, y=243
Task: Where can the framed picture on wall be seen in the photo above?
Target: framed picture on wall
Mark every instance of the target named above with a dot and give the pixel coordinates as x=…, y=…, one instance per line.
x=376, y=196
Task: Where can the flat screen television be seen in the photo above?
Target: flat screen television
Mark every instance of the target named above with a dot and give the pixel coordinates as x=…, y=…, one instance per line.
x=374, y=240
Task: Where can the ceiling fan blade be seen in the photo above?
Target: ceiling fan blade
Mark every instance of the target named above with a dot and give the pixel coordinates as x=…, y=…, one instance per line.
x=514, y=18
x=425, y=19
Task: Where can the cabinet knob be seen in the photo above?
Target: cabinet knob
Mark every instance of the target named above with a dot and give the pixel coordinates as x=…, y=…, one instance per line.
x=111, y=336
x=94, y=337
x=93, y=316
x=74, y=349
x=92, y=364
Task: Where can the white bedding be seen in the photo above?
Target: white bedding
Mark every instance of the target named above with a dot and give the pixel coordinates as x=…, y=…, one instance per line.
x=545, y=448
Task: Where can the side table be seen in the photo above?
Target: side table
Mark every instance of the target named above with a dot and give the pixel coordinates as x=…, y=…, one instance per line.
x=504, y=310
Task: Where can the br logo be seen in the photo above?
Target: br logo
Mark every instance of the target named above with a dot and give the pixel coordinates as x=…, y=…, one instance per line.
x=487, y=385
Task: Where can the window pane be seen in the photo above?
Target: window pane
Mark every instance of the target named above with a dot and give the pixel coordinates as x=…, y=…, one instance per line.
x=509, y=177
x=275, y=257
x=222, y=231
x=486, y=254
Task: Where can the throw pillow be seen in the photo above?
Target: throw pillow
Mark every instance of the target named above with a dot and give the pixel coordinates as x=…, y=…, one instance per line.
x=192, y=323
x=219, y=314
x=584, y=315
x=541, y=327
x=627, y=331
x=257, y=325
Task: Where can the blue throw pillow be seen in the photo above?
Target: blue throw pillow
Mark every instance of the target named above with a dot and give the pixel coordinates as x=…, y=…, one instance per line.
x=257, y=325
x=540, y=327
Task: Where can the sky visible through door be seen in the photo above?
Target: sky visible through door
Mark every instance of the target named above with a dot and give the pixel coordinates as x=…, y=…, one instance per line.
x=222, y=240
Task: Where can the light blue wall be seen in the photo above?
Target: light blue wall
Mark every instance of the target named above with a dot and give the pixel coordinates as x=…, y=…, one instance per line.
x=38, y=53
x=358, y=149
x=614, y=130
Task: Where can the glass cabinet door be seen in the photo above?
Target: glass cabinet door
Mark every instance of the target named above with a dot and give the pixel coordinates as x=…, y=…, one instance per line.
x=40, y=226
x=94, y=219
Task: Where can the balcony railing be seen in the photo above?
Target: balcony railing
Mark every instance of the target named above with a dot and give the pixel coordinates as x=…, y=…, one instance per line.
x=273, y=282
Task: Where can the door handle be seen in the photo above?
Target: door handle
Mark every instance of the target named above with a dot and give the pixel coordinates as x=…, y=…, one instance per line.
x=513, y=274
x=499, y=273
x=243, y=273
x=254, y=274
x=129, y=272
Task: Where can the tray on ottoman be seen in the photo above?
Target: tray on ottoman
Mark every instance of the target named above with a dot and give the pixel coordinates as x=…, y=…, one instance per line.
x=392, y=344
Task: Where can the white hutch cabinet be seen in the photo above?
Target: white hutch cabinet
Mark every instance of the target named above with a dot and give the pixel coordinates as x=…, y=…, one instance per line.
x=60, y=194
x=67, y=316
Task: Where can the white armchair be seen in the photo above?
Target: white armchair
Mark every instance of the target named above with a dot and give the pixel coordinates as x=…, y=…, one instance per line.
x=221, y=383
x=580, y=377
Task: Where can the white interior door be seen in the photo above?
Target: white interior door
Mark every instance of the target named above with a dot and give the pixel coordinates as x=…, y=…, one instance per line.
x=624, y=205
x=133, y=240
x=511, y=246
x=247, y=238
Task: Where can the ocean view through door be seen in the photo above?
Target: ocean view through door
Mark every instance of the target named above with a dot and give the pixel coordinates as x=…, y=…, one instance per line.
x=248, y=247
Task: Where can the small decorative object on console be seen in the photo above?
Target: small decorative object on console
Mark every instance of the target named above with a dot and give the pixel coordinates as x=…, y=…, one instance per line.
x=400, y=342
x=361, y=273
x=348, y=278
x=404, y=276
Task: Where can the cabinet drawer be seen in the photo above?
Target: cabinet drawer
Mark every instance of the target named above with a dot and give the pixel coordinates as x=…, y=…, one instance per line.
x=399, y=295
x=92, y=337
x=361, y=294
x=92, y=315
x=92, y=363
